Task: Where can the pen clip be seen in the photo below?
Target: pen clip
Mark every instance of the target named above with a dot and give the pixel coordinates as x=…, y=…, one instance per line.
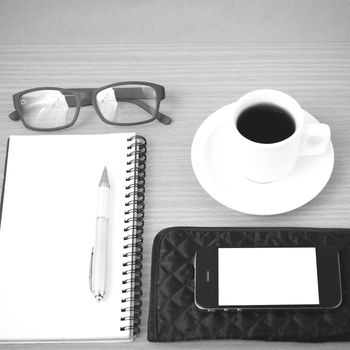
x=90, y=269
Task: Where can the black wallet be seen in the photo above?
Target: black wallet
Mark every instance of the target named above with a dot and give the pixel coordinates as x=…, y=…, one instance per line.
x=173, y=315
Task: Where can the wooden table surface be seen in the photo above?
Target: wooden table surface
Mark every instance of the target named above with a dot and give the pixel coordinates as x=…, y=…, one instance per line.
x=198, y=79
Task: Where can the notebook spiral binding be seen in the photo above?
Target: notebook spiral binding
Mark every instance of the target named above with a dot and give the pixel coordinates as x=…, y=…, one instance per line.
x=133, y=230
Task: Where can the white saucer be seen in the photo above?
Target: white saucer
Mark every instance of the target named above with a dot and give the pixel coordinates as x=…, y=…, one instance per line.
x=215, y=166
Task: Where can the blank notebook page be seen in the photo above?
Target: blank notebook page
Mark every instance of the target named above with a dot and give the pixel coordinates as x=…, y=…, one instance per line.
x=47, y=233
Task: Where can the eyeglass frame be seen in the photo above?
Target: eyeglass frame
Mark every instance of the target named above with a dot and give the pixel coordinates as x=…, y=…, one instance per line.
x=87, y=97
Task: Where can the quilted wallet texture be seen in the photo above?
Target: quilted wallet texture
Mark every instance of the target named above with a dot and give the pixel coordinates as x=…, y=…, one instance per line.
x=174, y=317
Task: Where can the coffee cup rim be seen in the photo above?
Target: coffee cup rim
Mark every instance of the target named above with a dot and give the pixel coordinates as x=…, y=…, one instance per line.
x=294, y=110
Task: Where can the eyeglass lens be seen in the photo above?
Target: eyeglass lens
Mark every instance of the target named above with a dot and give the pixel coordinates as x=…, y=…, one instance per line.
x=127, y=103
x=47, y=108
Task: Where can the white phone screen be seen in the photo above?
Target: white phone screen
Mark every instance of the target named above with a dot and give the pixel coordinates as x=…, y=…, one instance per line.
x=267, y=276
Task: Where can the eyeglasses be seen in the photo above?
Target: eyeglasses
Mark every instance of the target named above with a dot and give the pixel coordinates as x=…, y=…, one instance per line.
x=125, y=103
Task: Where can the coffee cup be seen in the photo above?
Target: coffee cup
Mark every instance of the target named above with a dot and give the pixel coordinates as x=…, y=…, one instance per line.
x=270, y=134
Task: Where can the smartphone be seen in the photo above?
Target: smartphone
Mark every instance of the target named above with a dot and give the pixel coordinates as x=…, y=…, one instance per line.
x=266, y=278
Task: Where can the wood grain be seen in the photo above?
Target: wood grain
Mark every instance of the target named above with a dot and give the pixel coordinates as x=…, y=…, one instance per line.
x=198, y=79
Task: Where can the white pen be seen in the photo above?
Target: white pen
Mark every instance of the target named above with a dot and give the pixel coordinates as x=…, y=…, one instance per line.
x=98, y=271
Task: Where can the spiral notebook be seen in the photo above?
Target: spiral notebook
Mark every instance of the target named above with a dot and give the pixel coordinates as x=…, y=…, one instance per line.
x=48, y=230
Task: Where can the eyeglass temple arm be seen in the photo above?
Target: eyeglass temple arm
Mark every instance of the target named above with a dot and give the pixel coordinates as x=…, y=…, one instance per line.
x=14, y=116
x=135, y=95
x=159, y=116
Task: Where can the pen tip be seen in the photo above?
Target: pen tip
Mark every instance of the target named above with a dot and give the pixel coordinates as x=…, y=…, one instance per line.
x=99, y=297
x=104, y=178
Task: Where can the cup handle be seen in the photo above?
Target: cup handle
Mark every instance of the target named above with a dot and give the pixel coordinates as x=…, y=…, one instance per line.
x=315, y=139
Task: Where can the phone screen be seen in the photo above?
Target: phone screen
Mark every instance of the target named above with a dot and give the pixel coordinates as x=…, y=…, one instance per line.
x=267, y=276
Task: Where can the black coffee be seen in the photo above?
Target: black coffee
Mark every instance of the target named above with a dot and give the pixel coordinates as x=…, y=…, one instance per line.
x=265, y=123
